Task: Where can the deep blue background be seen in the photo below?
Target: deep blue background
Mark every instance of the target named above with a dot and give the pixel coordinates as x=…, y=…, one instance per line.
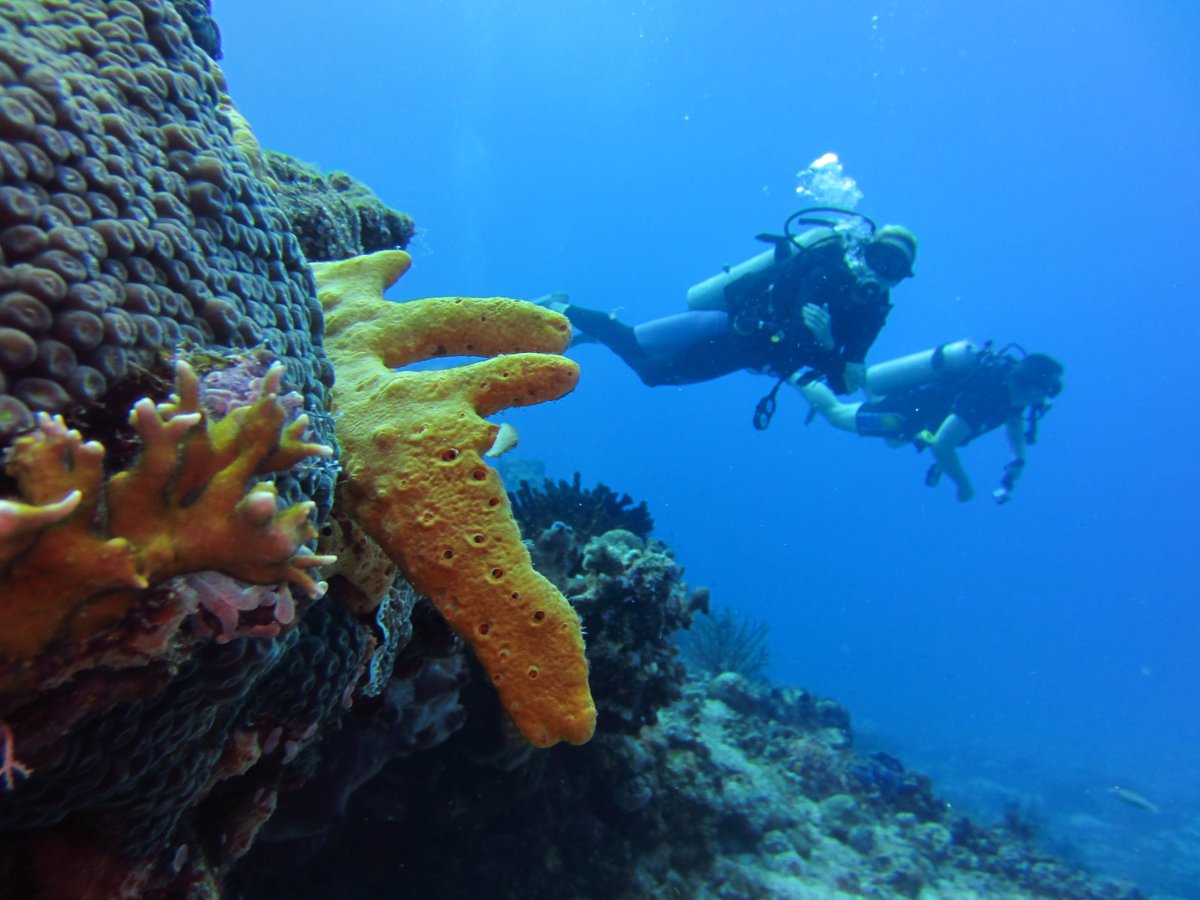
x=1046, y=154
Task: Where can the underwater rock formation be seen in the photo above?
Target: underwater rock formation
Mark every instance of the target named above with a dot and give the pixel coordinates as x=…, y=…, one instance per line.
x=334, y=215
x=731, y=789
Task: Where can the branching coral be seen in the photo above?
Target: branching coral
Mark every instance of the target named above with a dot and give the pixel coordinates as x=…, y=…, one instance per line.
x=75, y=552
x=416, y=481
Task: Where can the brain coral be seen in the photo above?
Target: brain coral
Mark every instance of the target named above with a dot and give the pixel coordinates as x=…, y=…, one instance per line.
x=129, y=223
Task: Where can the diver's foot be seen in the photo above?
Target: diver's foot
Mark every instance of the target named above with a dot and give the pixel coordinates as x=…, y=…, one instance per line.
x=555, y=302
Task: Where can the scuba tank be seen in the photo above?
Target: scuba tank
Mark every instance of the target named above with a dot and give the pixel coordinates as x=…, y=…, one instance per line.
x=733, y=285
x=926, y=367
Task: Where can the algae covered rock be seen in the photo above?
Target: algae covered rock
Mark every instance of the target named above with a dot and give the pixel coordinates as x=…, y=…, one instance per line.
x=334, y=215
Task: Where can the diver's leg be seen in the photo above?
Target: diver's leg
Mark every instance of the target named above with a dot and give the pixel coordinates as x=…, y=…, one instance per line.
x=679, y=349
x=835, y=412
x=617, y=336
x=674, y=334
x=608, y=330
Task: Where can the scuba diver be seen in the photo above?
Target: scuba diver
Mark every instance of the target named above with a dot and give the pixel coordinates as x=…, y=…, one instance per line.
x=944, y=399
x=809, y=308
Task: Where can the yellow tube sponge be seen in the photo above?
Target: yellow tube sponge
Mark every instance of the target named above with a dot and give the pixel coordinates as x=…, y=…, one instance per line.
x=416, y=481
x=75, y=552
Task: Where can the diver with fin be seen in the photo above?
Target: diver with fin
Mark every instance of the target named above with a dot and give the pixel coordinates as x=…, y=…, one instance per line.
x=945, y=398
x=807, y=309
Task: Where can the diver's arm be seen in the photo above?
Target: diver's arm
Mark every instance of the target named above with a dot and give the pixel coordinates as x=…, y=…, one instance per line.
x=863, y=329
x=950, y=435
x=818, y=322
x=840, y=415
x=844, y=377
x=1015, y=429
x=860, y=329
x=820, y=353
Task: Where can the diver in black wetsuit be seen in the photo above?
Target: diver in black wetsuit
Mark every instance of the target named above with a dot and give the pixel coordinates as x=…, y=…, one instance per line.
x=809, y=308
x=956, y=396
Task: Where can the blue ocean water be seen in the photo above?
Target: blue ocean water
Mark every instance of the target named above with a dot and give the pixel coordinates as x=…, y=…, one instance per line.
x=1047, y=155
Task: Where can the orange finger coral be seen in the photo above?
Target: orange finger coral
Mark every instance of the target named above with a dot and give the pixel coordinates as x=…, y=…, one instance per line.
x=75, y=552
x=416, y=481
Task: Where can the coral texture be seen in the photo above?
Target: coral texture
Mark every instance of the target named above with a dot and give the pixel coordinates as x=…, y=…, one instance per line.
x=129, y=221
x=741, y=790
x=155, y=748
x=198, y=16
x=79, y=552
x=171, y=770
x=416, y=480
x=632, y=598
x=334, y=215
x=589, y=511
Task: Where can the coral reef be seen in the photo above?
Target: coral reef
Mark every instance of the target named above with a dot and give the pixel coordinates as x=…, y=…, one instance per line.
x=152, y=701
x=133, y=633
x=183, y=706
x=419, y=710
x=151, y=613
x=589, y=511
x=631, y=597
x=129, y=222
x=732, y=788
x=479, y=784
x=416, y=481
x=185, y=506
x=172, y=675
x=334, y=215
x=152, y=773
x=764, y=785
x=727, y=641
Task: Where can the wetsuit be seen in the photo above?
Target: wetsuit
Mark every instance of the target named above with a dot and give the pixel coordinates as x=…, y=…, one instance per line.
x=980, y=398
x=765, y=332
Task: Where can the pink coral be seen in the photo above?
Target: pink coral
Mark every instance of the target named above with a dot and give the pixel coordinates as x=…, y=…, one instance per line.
x=241, y=384
x=241, y=609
